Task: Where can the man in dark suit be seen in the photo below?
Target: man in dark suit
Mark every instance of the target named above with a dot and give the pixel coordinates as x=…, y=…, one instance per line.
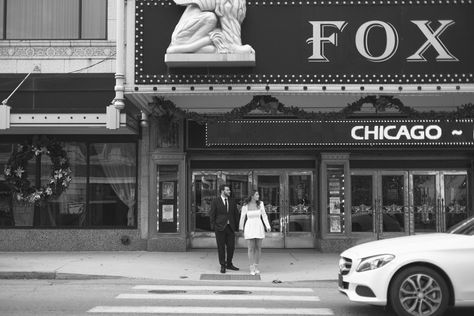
x=224, y=217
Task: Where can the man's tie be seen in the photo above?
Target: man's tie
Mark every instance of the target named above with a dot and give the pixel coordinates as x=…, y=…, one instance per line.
x=226, y=205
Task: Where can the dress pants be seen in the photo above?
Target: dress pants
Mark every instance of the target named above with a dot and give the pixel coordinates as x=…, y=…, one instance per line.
x=225, y=239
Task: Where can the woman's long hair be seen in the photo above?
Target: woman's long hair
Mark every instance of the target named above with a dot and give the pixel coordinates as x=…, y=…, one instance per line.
x=249, y=198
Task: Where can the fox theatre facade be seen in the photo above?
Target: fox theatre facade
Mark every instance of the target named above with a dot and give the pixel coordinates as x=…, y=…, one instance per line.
x=352, y=126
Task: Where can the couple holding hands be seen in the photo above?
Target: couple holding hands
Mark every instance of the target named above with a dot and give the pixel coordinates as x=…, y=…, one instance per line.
x=226, y=220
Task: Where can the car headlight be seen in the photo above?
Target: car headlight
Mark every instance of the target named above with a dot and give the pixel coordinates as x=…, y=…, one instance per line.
x=374, y=262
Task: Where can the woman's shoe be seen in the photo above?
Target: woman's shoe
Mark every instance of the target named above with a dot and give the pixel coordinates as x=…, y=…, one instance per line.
x=256, y=269
x=252, y=269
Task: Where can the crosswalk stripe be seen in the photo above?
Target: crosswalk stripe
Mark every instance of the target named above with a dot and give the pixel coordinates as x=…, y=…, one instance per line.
x=219, y=297
x=210, y=310
x=221, y=288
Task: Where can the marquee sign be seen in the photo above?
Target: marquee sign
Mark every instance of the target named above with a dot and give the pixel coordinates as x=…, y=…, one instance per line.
x=403, y=132
x=324, y=43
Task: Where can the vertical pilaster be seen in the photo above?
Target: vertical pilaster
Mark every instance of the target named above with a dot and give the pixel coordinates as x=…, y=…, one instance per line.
x=118, y=104
x=4, y=116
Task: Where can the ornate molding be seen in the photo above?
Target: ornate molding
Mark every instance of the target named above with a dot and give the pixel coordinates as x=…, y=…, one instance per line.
x=59, y=52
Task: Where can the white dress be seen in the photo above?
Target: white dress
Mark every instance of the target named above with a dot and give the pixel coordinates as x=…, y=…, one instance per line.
x=253, y=226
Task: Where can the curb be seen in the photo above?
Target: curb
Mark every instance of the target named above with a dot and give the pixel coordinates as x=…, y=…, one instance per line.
x=38, y=275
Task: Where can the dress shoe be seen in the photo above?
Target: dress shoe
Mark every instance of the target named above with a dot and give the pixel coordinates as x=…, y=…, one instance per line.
x=232, y=267
x=222, y=269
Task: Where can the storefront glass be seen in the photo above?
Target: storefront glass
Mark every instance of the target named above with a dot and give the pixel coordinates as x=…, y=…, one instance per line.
x=206, y=188
x=102, y=192
x=69, y=209
x=407, y=202
x=113, y=179
x=287, y=196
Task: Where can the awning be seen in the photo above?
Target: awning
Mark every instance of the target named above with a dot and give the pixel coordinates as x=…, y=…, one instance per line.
x=64, y=123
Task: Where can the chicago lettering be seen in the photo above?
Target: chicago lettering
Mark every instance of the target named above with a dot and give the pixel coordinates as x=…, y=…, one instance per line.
x=393, y=132
x=322, y=37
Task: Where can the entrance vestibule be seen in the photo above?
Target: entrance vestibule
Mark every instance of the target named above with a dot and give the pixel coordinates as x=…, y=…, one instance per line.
x=288, y=196
x=404, y=202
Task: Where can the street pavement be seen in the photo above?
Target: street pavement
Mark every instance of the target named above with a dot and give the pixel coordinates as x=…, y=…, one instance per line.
x=277, y=265
x=216, y=300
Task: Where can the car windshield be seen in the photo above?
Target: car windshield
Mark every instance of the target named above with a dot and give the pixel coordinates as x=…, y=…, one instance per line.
x=466, y=227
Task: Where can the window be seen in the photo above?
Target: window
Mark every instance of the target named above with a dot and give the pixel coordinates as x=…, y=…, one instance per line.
x=2, y=18
x=112, y=182
x=102, y=193
x=53, y=19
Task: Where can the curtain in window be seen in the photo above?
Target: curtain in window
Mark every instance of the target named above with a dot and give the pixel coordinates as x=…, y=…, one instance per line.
x=43, y=19
x=94, y=19
x=119, y=167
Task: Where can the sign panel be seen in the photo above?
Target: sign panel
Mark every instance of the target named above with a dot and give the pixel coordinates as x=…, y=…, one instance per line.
x=420, y=133
x=323, y=42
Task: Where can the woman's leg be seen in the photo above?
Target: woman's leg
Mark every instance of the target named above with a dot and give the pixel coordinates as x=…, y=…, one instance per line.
x=258, y=254
x=258, y=250
x=251, y=250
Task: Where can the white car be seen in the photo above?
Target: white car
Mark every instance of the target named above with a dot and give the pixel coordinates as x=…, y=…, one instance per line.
x=414, y=275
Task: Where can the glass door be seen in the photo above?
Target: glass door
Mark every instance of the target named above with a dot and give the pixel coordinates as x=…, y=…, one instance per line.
x=299, y=210
x=379, y=201
x=454, y=198
x=393, y=203
x=205, y=188
x=363, y=197
x=390, y=203
x=425, y=199
x=270, y=186
x=288, y=200
x=439, y=199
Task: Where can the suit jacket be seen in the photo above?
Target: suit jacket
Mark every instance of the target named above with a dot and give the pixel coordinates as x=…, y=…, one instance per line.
x=219, y=216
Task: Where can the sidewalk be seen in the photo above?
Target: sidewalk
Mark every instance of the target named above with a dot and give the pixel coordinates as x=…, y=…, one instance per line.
x=284, y=265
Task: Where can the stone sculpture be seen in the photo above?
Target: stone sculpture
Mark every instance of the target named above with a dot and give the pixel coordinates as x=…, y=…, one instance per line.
x=209, y=27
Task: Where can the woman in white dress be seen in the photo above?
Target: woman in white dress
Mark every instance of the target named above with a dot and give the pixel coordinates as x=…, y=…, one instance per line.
x=254, y=223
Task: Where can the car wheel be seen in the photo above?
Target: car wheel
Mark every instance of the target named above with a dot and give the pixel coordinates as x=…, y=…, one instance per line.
x=418, y=291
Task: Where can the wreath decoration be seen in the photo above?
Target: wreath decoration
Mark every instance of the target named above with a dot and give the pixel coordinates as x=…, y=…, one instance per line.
x=16, y=172
x=167, y=112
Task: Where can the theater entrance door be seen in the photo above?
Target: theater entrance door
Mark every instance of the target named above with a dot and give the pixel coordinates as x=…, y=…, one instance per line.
x=386, y=203
x=288, y=196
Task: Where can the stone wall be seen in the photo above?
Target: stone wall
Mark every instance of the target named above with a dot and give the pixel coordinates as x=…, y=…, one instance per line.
x=71, y=240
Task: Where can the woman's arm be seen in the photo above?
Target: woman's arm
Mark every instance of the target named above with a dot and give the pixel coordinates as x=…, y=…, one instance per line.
x=265, y=217
x=243, y=213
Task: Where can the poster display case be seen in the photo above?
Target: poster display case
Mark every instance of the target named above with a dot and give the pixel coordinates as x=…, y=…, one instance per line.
x=335, y=198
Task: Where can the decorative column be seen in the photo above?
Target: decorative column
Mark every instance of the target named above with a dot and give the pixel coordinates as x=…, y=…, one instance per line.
x=118, y=104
